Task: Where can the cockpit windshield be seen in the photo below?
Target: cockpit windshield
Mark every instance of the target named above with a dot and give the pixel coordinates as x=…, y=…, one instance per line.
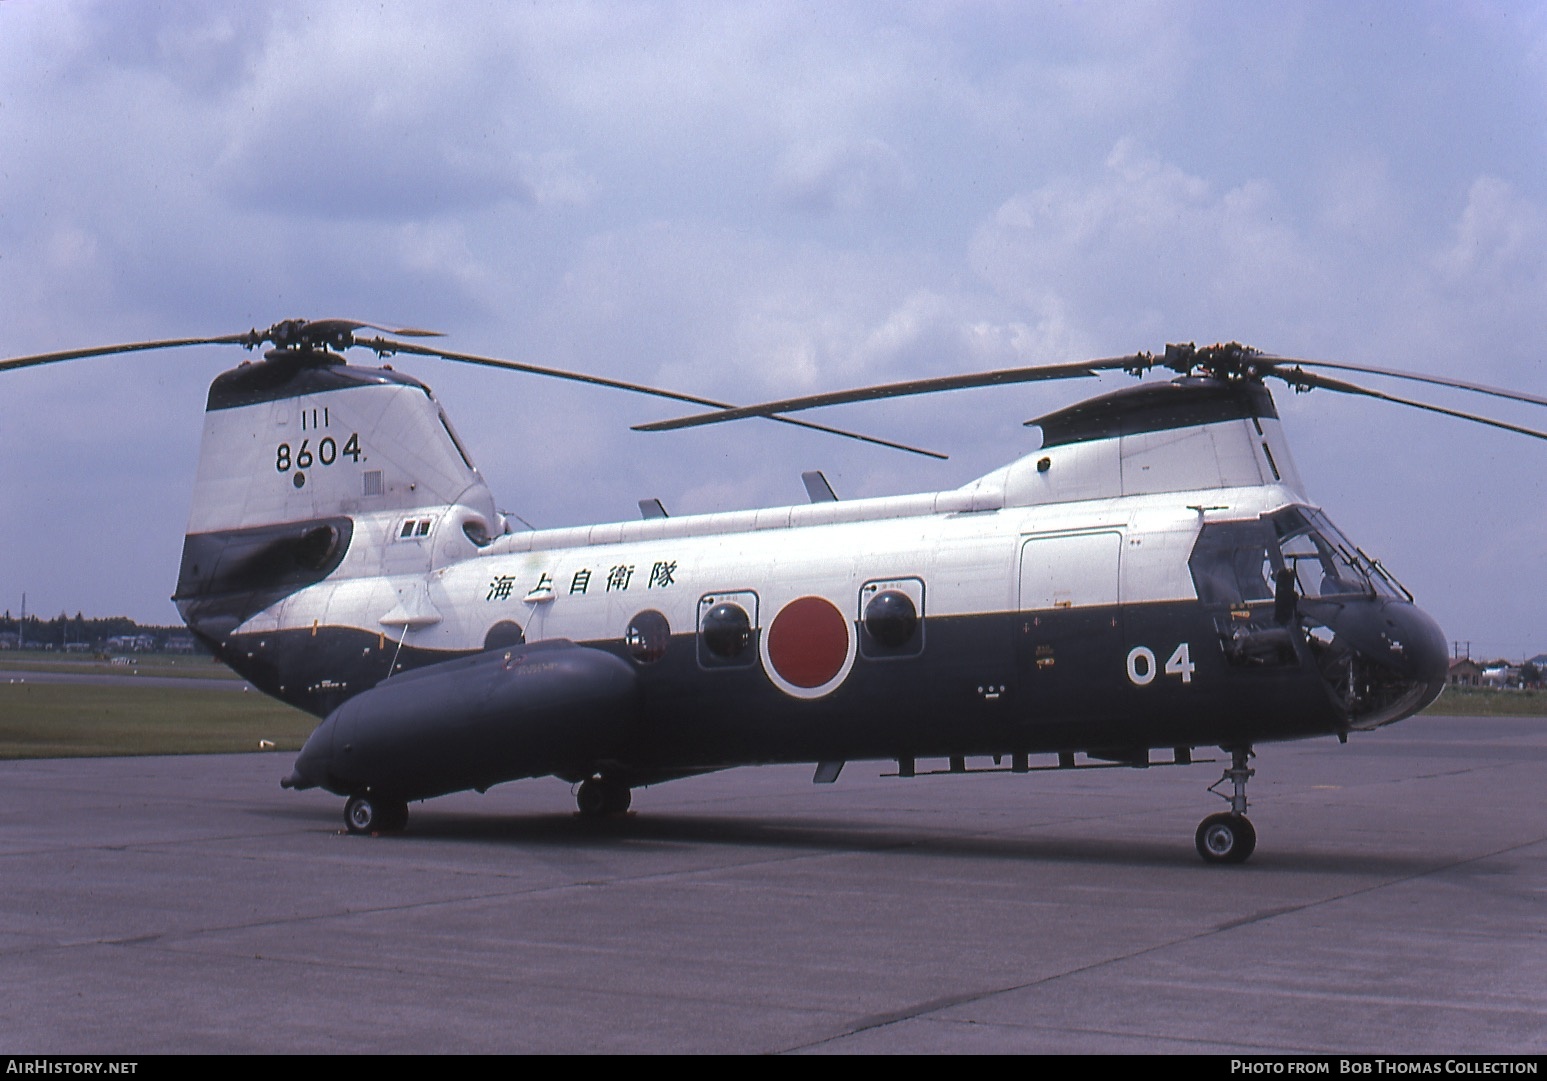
x=1326, y=563
x=1240, y=563
x=1287, y=591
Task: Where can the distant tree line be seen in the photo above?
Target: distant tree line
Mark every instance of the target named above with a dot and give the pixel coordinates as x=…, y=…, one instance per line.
x=64, y=630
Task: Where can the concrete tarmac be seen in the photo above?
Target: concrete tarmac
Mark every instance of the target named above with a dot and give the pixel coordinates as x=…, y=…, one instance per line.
x=1397, y=903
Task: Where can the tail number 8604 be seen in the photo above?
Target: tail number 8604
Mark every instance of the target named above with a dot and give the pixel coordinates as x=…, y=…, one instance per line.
x=327, y=453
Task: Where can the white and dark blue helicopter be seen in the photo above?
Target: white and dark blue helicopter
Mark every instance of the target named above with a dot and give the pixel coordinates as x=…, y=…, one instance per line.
x=1152, y=580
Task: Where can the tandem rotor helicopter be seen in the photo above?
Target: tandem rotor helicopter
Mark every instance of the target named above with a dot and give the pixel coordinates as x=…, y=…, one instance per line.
x=1152, y=580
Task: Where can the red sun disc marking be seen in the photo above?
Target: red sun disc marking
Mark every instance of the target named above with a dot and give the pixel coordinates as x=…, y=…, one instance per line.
x=808, y=642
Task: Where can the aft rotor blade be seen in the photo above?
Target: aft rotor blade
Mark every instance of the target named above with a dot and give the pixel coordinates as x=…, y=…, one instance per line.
x=324, y=333
x=384, y=347
x=1002, y=377
x=128, y=347
x=1307, y=380
x=1415, y=377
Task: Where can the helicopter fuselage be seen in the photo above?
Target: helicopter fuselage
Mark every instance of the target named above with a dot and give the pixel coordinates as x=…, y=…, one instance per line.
x=1152, y=578
x=1076, y=628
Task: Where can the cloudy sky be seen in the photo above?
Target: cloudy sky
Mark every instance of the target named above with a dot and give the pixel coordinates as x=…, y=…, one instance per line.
x=750, y=201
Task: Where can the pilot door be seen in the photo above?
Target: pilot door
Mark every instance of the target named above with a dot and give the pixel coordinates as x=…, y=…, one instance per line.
x=1069, y=626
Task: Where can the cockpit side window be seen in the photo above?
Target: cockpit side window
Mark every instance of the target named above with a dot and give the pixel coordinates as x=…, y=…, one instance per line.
x=1233, y=563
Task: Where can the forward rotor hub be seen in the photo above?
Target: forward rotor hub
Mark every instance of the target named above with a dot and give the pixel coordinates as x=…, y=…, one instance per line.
x=304, y=334
x=1229, y=360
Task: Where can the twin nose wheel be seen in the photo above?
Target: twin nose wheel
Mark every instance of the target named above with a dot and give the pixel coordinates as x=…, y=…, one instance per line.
x=1226, y=838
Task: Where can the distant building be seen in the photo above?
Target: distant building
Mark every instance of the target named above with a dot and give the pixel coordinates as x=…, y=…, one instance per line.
x=131, y=643
x=1465, y=672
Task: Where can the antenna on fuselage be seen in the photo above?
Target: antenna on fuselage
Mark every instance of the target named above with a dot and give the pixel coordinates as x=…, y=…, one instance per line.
x=817, y=488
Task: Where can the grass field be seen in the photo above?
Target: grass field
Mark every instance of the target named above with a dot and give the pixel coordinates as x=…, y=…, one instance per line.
x=146, y=664
x=64, y=720
x=1484, y=702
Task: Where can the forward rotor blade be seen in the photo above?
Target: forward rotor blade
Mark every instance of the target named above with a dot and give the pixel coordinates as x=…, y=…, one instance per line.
x=129, y=347
x=1415, y=377
x=1307, y=380
x=383, y=347
x=1002, y=377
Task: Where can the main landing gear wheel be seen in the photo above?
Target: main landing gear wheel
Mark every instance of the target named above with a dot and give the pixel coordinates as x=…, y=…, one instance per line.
x=1226, y=838
x=374, y=814
x=598, y=796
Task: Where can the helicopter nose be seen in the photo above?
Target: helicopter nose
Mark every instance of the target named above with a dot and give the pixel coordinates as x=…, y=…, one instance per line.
x=1403, y=638
x=1407, y=662
x=1427, y=661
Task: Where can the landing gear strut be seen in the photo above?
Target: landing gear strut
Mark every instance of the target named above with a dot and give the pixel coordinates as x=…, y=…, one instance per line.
x=369, y=813
x=599, y=795
x=1229, y=837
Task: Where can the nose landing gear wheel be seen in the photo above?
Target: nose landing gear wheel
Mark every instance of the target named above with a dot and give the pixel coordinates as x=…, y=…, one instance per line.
x=1226, y=838
x=373, y=814
x=1229, y=837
